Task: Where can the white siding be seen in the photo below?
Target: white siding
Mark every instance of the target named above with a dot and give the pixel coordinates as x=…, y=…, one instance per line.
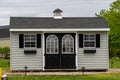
x=19, y=59
x=98, y=60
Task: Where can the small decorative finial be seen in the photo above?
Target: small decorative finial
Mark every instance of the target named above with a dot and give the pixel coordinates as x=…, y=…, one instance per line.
x=57, y=13
x=57, y=10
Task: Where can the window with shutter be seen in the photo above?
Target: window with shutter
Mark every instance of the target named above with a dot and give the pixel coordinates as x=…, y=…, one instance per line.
x=89, y=41
x=30, y=41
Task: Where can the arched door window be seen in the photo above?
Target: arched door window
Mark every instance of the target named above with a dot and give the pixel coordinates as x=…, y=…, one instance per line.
x=52, y=44
x=67, y=44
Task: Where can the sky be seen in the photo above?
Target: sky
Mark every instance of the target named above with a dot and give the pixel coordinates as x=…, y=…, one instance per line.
x=45, y=8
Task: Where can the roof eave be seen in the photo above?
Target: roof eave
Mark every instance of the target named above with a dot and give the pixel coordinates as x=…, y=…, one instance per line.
x=92, y=29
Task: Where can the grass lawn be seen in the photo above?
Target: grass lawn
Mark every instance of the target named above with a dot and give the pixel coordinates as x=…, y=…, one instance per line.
x=4, y=64
x=113, y=76
x=114, y=62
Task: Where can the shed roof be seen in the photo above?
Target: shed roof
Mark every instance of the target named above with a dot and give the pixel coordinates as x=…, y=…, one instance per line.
x=51, y=23
x=4, y=27
x=4, y=32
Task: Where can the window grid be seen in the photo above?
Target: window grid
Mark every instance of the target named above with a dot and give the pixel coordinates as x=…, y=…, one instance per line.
x=52, y=44
x=67, y=44
x=30, y=41
x=89, y=41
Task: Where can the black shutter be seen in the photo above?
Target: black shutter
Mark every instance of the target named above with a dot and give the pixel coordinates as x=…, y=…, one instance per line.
x=38, y=40
x=21, y=40
x=80, y=40
x=97, y=40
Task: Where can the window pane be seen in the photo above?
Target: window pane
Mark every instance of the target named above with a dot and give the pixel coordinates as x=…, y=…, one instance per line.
x=89, y=41
x=52, y=44
x=27, y=37
x=27, y=44
x=30, y=41
x=63, y=49
x=48, y=50
x=92, y=37
x=32, y=44
x=33, y=37
x=67, y=44
x=92, y=44
x=86, y=37
x=56, y=49
x=86, y=44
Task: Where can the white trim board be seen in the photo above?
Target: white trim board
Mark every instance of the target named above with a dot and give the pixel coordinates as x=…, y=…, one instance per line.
x=76, y=47
x=43, y=47
x=94, y=29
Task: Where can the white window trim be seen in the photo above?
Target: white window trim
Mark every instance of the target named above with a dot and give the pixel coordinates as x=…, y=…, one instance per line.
x=88, y=40
x=29, y=48
x=43, y=40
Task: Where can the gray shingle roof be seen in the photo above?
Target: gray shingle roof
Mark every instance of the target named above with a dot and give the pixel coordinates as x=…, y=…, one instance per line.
x=5, y=26
x=4, y=32
x=51, y=23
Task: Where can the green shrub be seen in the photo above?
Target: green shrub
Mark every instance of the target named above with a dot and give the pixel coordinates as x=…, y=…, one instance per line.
x=112, y=52
x=118, y=53
x=5, y=51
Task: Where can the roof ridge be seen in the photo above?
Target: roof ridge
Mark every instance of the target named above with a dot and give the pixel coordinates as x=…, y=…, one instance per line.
x=53, y=18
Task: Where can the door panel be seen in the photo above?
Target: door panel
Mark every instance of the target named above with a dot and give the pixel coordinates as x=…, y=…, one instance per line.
x=51, y=51
x=68, y=61
x=51, y=61
x=68, y=52
x=60, y=51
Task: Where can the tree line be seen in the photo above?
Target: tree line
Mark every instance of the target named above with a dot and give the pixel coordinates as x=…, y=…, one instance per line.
x=112, y=16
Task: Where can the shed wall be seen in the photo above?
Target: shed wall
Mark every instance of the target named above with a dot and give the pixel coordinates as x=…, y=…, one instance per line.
x=98, y=60
x=19, y=60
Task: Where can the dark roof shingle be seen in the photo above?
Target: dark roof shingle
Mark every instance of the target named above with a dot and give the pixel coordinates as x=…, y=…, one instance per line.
x=51, y=23
x=4, y=32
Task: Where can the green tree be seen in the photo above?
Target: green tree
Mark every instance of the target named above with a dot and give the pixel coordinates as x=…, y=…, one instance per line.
x=1, y=51
x=113, y=53
x=5, y=51
x=112, y=17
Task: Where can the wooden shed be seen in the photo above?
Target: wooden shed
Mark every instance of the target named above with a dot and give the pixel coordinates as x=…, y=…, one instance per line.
x=59, y=43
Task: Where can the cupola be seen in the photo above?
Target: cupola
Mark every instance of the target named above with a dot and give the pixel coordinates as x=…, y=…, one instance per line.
x=57, y=14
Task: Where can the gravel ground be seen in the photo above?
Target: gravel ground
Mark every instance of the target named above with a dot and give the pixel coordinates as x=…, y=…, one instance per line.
x=65, y=73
